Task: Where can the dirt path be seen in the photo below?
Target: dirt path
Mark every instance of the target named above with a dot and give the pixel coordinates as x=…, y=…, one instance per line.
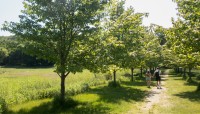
x=155, y=96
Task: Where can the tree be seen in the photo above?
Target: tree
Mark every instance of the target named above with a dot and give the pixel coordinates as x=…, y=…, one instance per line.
x=152, y=49
x=183, y=38
x=3, y=54
x=189, y=14
x=123, y=29
x=58, y=31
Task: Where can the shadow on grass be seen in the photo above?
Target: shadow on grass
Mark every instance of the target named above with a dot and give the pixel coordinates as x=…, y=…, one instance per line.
x=48, y=108
x=134, y=83
x=115, y=95
x=192, y=83
x=192, y=96
x=106, y=95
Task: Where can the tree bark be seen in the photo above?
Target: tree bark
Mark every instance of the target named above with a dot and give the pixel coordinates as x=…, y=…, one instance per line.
x=178, y=69
x=132, y=69
x=184, y=73
x=62, y=89
x=114, y=74
x=141, y=71
x=190, y=74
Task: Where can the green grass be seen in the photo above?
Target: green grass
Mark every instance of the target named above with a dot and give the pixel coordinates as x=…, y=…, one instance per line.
x=20, y=85
x=24, y=86
x=98, y=100
x=181, y=98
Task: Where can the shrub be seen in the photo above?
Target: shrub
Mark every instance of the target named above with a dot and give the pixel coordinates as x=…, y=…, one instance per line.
x=3, y=106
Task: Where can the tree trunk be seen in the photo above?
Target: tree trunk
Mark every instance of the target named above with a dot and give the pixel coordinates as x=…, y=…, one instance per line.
x=178, y=70
x=132, y=69
x=190, y=74
x=114, y=74
x=181, y=70
x=62, y=89
x=141, y=71
x=184, y=73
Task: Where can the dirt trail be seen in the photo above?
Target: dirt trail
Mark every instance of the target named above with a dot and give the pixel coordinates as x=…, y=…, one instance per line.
x=154, y=97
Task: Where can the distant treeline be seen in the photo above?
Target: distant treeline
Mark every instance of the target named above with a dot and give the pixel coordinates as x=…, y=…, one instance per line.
x=12, y=54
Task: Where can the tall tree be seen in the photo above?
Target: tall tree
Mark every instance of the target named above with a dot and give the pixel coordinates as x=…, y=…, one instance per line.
x=184, y=36
x=58, y=31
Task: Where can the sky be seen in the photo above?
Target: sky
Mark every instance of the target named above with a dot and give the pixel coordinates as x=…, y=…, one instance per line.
x=160, y=11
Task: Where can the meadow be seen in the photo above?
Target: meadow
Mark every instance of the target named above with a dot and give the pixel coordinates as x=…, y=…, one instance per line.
x=32, y=91
x=20, y=85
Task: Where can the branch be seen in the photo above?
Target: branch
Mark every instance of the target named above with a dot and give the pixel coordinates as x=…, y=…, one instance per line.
x=67, y=74
x=58, y=74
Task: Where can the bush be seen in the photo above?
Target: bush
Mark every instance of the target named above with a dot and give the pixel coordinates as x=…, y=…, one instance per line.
x=113, y=84
x=3, y=106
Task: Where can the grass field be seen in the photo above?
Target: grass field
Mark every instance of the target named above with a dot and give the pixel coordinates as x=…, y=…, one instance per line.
x=19, y=85
x=31, y=91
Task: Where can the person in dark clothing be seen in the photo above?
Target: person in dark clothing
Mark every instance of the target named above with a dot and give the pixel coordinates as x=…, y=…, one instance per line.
x=158, y=78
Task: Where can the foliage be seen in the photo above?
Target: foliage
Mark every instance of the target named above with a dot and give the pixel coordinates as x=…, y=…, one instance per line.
x=183, y=40
x=122, y=34
x=3, y=106
x=19, y=58
x=12, y=54
x=59, y=31
x=3, y=54
x=151, y=48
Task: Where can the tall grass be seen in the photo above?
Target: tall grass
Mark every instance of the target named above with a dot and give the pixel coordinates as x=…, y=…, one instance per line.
x=20, y=85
